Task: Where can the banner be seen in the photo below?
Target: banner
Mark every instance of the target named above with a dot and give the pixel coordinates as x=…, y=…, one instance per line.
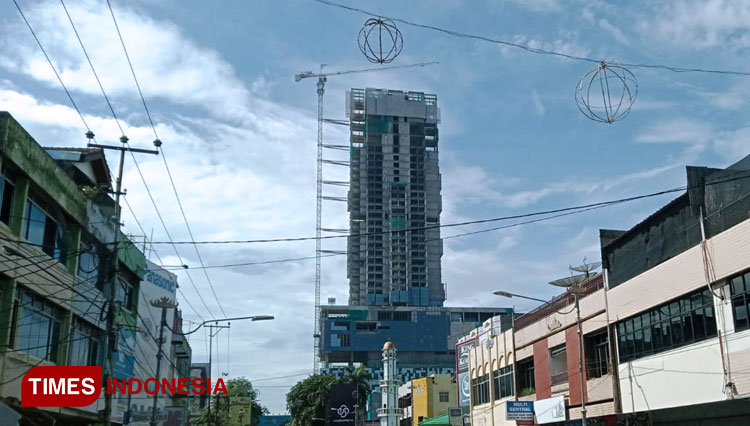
x=462, y=372
x=342, y=406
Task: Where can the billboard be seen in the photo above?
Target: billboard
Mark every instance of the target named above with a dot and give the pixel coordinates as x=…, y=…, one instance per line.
x=463, y=378
x=342, y=410
x=550, y=410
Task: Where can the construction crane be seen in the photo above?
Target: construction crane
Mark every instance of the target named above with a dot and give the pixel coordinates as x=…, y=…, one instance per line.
x=322, y=79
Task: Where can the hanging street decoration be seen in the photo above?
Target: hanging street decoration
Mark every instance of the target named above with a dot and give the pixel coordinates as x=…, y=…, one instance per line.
x=606, y=93
x=380, y=41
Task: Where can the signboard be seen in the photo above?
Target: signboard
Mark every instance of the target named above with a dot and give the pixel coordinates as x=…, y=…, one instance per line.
x=462, y=372
x=342, y=406
x=519, y=410
x=550, y=410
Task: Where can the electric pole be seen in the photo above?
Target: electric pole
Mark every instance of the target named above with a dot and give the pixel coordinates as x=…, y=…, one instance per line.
x=211, y=335
x=164, y=303
x=111, y=290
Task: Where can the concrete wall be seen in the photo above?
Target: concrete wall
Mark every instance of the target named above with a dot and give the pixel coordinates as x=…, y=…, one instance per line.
x=487, y=358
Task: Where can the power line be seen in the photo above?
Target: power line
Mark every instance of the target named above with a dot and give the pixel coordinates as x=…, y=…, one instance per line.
x=88, y=59
x=49, y=61
x=166, y=165
x=738, y=176
x=528, y=48
x=132, y=213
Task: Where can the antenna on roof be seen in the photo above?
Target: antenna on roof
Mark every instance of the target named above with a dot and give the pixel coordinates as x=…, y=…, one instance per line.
x=574, y=280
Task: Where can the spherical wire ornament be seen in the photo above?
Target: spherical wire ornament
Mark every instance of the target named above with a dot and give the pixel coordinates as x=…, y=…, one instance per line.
x=380, y=41
x=606, y=93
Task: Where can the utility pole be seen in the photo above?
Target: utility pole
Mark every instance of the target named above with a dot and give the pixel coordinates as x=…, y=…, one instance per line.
x=164, y=303
x=211, y=335
x=112, y=288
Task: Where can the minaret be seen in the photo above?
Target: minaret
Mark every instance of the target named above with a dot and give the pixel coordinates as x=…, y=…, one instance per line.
x=390, y=414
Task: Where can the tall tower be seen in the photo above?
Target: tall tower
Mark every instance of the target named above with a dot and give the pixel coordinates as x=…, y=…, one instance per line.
x=390, y=414
x=394, y=186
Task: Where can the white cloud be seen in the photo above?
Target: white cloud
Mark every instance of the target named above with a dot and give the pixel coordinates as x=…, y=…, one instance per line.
x=544, y=6
x=169, y=64
x=701, y=24
x=566, y=44
x=615, y=32
x=680, y=130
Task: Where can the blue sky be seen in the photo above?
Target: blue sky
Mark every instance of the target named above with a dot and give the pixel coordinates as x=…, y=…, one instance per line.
x=239, y=133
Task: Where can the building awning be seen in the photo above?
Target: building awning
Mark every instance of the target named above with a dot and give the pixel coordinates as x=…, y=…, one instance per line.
x=441, y=420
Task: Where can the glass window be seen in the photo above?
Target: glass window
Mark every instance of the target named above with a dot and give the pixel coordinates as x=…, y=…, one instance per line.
x=597, y=355
x=740, y=293
x=38, y=330
x=40, y=229
x=444, y=397
x=526, y=382
x=124, y=294
x=7, y=190
x=84, y=344
x=88, y=264
x=674, y=324
x=503, y=382
x=480, y=390
x=558, y=360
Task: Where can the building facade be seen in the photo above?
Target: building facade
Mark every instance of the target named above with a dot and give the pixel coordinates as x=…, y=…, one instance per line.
x=55, y=227
x=426, y=397
x=394, y=202
x=678, y=302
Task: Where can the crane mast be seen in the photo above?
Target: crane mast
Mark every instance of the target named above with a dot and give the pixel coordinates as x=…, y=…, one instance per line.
x=322, y=79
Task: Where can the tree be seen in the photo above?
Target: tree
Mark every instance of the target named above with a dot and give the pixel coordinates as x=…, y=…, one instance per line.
x=225, y=408
x=361, y=377
x=307, y=401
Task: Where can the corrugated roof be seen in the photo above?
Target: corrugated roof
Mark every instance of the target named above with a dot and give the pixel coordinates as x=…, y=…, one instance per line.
x=443, y=419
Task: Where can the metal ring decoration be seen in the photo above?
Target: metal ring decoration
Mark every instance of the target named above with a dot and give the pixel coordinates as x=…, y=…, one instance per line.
x=380, y=41
x=606, y=93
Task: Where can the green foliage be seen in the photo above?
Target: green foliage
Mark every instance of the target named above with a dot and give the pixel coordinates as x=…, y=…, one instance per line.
x=527, y=392
x=222, y=413
x=308, y=399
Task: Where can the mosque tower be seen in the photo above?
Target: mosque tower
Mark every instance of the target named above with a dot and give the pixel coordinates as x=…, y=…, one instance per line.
x=390, y=414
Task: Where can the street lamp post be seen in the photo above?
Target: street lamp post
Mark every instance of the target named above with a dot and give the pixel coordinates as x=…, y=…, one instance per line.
x=210, y=346
x=164, y=303
x=574, y=291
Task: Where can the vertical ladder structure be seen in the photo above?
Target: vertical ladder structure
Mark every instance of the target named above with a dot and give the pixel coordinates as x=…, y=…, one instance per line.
x=322, y=79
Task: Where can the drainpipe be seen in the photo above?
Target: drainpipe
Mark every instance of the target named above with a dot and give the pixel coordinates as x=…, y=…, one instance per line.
x=612, y=344
x=729, y=388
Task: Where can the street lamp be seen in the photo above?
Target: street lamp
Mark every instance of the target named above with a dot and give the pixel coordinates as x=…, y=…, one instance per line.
x=211, y=335
x=164, y=303
x=573, y=288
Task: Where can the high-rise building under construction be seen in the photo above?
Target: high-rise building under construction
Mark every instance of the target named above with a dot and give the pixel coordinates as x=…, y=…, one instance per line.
x=394, y=199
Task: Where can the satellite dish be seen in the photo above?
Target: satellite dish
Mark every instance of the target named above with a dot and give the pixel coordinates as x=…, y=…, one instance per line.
x=570, y=281
x=586, y=267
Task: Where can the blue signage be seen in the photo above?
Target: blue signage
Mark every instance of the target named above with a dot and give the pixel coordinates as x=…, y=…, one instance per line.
x=519, y=410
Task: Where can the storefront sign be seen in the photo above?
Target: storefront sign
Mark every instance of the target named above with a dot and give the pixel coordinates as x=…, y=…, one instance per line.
x=550, y=410
x=519, y=410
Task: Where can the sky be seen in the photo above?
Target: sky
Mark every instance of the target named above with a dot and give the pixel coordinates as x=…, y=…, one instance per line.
x=239, y=136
